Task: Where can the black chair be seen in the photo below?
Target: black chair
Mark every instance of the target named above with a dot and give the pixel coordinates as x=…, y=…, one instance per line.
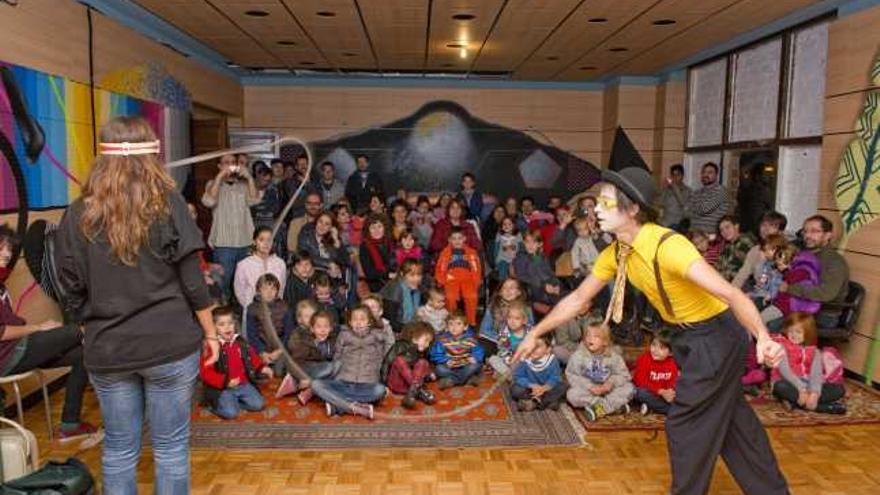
x=849, y=309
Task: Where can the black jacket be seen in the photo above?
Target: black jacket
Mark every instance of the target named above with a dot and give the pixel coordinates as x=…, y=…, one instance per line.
x=359, y=193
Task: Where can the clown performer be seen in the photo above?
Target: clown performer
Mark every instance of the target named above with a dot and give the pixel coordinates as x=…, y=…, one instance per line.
x=711, y=321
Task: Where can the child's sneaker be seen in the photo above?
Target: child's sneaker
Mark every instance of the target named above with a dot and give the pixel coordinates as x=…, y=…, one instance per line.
x=832, y=408
x=287, y=387
x=475, y=380
x=409, y=400
x=365, y=410
x=600, y=411
x=526, y=405
x=331, y=410
x=590, y=414
x=445, y=383
x=626, y=409
x=644, y=409
x=426, y=396
x=68, y=433
x=305, y=395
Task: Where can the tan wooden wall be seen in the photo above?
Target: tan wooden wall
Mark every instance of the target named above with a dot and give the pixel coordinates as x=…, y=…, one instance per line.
x=853, y=42
x=52, y=36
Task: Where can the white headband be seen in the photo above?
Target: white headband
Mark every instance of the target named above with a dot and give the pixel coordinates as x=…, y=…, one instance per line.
x=126, y=148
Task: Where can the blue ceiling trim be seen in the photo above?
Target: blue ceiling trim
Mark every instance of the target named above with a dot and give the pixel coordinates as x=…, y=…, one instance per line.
x=152, y=26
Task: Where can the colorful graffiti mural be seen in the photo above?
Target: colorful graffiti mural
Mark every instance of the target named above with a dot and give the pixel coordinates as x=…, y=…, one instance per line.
x=46, y=135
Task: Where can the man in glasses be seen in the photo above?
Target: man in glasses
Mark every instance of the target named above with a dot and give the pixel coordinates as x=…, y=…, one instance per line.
x=710, y=322
x=314, y=205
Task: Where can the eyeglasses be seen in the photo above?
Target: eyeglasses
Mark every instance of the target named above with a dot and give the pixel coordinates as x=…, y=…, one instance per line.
x=606, y=203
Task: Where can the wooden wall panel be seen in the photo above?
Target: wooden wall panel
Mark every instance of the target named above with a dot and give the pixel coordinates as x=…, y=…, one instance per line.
x=52, y=36
x=852, y=47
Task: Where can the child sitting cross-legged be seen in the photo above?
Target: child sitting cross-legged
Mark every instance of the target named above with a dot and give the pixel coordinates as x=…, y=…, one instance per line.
x=268, y=289
x=597, y=375
x=457, y=354
x=799, y=380
x=654, y=377
x=406, y=369
x=537, y=382
x=305, y=309
x=229, y=382
x=434, y=312
x=312, y=347
x=356, y=386
x=512, y=333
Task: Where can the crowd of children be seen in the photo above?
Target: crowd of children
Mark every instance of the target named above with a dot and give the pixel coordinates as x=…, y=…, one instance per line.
x=372, y=305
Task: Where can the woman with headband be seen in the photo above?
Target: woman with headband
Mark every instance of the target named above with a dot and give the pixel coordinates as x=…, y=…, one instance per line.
x=127, y=255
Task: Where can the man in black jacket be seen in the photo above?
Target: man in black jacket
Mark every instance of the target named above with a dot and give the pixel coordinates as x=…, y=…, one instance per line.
x=362, y=184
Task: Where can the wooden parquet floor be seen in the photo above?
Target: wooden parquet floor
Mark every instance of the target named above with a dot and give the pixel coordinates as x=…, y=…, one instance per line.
x=819, y=460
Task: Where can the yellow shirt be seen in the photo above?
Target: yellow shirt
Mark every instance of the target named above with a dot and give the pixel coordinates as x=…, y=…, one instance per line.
x=690, y=302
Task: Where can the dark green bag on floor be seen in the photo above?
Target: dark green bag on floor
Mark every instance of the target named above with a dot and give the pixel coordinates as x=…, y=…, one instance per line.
x=70, y=477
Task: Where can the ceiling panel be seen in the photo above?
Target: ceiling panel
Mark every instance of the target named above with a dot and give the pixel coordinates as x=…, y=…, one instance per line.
x=470, y=34
x=523, y=25
x=341, y=36
x=397, y=28
x=579, y=34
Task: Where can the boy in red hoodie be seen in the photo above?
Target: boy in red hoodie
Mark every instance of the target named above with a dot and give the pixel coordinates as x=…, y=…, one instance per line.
x=654, y=377
x=229, y=383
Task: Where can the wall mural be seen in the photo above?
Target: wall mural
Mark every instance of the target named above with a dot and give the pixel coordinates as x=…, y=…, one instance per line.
x=857, y=189
x=430, y=149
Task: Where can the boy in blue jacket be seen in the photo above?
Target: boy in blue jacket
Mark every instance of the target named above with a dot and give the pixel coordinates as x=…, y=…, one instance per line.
x=457, y=354
x=537, y=382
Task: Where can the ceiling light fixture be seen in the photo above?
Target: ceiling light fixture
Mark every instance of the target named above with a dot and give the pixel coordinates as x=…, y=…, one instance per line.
x=287, y=43
x=455, y=45
x=464, y=17
x=463, y=53
x=349, y=54
x=325, y=13
x=306, y=63
x=664, y=22
x=618, y=49
x=597, y=20
x=256, y=13
x=587, y=67
x=552, y=58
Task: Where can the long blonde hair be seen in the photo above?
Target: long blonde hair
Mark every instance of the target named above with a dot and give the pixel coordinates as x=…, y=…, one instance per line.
x=124, y=195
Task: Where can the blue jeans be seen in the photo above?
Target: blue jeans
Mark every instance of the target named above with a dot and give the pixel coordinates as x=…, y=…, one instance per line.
x=655, y=403
x=317, y=371
x=233, y=400
x=165, y=393
x=338, y=392
x=458, y=375
x=228, y=257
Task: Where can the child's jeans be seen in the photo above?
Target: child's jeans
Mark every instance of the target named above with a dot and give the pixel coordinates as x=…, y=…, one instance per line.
x=462, y=287
x=318, y=370
x=233, y=400
x=655, y=403
x=550, y=397
x=402, y=376
x=610, y=402
x=460, y=375
x=340, y=393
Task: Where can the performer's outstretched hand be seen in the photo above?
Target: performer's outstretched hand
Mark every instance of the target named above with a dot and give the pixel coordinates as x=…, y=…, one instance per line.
x=525, y=348
x=769, y=351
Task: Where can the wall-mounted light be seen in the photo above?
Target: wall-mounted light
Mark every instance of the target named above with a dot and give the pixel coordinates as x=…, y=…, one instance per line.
x=463, y=53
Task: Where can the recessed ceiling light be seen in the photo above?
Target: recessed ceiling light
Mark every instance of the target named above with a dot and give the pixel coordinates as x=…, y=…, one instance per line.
x=552, y=58
x=325, y=13
x=306, y=63
x=664, y=22
x=455, y=45
x=587, y=67
x=464, y=17
x=618, y=49
x=597, y=20
x=349, y=54
x=256, y=13
x=287, y=43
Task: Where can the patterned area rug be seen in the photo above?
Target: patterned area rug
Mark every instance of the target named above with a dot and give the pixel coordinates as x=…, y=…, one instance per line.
x=285, y=424
x=863, y=406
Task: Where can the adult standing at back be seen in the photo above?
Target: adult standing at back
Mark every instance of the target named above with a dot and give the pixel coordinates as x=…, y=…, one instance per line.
x=709, y=203
x=229, y=196
x=362, y=184
x=708, y=319
x=127, y=254
x=674, y=199
x=471, y=197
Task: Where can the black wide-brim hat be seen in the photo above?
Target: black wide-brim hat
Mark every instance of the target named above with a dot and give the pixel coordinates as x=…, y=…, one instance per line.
x=637, y=183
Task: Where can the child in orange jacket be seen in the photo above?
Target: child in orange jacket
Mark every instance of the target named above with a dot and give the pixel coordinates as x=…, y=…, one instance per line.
x=459, y=272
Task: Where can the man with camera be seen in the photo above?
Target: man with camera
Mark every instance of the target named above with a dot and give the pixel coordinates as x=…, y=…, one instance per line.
x=229, y=196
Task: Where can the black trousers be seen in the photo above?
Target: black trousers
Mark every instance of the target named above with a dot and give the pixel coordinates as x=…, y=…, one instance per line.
x=53, y=349
x=710, y=416
x=830, y=392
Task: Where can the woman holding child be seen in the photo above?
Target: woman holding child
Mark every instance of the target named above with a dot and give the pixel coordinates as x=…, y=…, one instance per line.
x=709, y=415
x=127, y=254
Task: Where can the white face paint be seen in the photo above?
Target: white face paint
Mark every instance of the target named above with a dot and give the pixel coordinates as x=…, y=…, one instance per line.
x=610, y=218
